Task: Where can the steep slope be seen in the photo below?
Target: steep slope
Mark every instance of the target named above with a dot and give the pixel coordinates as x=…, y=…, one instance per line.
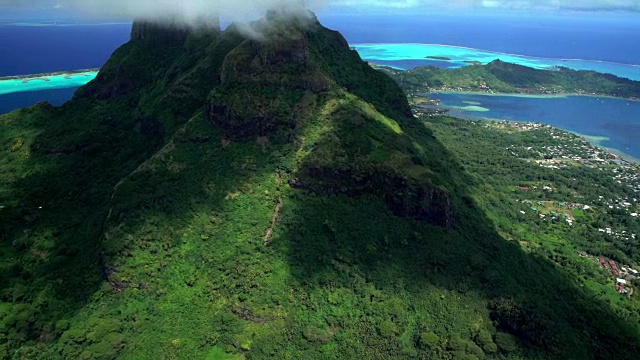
x=214, y=193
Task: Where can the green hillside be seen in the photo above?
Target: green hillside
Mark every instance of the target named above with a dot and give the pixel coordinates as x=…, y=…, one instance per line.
x=216, y=196
x=502, y=77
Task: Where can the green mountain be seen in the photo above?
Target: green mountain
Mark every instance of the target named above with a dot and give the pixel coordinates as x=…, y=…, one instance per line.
x=503, y=77
x=261, y=192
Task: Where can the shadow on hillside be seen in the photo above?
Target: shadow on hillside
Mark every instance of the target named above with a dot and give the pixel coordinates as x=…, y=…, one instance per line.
x=355, y=244
x=52, y=251
x=52, y=235
x=334, y=243
x=68, y=258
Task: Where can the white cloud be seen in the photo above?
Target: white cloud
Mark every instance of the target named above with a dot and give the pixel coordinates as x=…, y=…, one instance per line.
x=633, y=5
x=490, y=3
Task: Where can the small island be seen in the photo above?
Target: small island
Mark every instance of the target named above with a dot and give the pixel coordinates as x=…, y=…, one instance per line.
x=443, y=58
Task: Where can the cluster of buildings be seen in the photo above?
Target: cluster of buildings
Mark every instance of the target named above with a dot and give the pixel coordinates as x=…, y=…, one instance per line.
x=625, y=275
x=562, y=150
x=566, y=149
x=622, y=235
x=630, y=206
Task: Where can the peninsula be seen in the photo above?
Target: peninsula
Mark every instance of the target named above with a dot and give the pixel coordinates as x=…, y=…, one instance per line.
x=502, y=77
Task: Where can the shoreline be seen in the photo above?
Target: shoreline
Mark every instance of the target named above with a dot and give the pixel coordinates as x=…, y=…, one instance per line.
x=528, y=95
x=595, y=141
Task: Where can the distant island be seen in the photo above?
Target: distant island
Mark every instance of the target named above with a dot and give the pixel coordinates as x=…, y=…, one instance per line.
x=502, y=77
x=47, y=76
x=443, y=58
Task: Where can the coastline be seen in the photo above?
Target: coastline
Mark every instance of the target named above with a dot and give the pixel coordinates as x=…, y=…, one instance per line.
x=595, y=141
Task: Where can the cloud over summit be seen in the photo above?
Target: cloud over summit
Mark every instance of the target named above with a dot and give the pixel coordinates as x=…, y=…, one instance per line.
x=187, y=10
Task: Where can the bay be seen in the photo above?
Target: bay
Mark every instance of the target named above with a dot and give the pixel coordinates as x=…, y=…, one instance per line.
x=607, y=122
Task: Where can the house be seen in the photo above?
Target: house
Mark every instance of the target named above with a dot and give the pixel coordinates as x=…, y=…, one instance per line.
x=621, y=281
x=539, y=203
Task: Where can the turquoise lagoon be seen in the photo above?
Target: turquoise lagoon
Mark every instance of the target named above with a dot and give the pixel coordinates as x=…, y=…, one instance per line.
x=45, y=82
x=411, y=55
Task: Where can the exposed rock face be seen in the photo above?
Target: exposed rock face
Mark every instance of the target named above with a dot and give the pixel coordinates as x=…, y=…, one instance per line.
x=167, y=32
x=158, y=33
x=404, y=197
x=265, y=78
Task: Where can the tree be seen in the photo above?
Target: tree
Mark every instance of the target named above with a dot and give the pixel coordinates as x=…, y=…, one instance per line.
x=429, y=339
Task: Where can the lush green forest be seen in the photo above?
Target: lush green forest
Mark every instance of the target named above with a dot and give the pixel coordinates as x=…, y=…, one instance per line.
x=210, y=196
x=501, y=77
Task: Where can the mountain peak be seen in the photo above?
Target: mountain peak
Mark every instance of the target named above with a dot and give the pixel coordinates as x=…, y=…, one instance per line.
x=169, y=31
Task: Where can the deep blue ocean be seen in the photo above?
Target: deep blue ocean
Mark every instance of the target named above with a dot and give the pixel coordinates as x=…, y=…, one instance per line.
x=66, y=44
x=40, y=49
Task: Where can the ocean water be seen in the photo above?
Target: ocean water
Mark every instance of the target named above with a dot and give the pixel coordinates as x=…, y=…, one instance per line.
x=412, y=55
x=46, y=47
x=10, y=102
x=611, y=37
x=616, y=121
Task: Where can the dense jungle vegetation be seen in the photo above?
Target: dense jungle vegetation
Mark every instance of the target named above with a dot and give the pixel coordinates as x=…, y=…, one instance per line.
x=210, y=196
x=502, y=77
